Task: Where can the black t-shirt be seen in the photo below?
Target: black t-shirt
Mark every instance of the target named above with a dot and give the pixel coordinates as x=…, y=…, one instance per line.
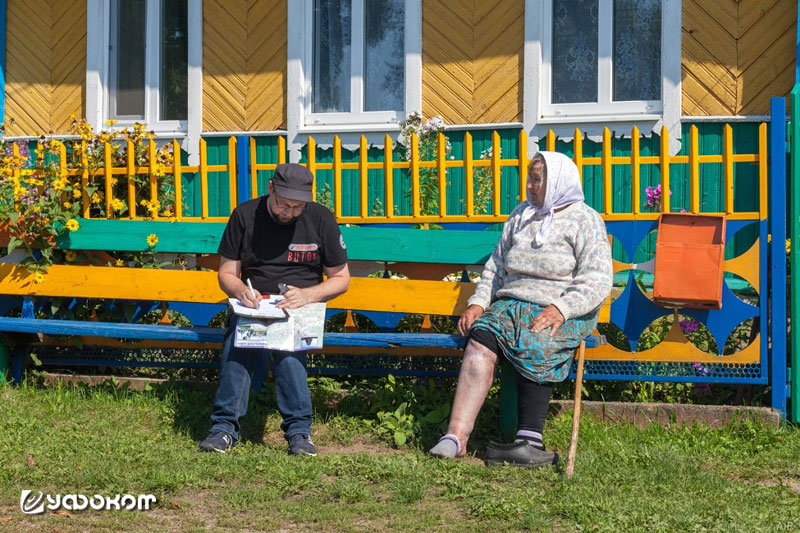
x=272, y=253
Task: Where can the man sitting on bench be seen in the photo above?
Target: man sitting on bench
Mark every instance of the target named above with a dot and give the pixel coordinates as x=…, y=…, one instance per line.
x=280, y=238
x=539, y=295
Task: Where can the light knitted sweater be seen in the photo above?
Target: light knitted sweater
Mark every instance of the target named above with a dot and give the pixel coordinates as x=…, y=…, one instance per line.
x=572, y=270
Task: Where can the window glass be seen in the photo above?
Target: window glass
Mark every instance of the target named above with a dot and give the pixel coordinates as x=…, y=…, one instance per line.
x=128, y=52
x=574, y=61
x=637, y=50
x=331, y=71
x=384, y=47
x=173, y=90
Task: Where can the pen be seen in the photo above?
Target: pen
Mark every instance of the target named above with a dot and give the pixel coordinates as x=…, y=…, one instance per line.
x=251, y=288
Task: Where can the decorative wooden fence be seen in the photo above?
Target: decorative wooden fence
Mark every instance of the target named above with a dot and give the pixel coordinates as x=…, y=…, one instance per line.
x=412, y=170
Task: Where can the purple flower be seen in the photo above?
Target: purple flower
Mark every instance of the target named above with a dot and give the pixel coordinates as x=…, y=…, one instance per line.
x=701, y=390
x=689, y=325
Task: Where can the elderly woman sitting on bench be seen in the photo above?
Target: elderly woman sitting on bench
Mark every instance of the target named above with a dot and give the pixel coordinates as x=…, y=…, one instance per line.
x=538, y=296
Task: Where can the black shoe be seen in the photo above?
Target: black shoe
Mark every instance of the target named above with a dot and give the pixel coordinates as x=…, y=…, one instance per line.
x=301, y=445
x=217, y=441
x=521, y=454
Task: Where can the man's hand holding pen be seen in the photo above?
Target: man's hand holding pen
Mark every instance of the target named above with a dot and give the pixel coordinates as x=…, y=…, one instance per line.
x=249, y=296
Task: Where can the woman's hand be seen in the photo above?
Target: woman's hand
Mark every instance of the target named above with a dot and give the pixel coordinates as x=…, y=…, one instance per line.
x=472, y=313
x=551, y=317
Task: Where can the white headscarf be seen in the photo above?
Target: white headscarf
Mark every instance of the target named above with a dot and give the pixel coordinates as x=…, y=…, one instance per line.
x=563, y=189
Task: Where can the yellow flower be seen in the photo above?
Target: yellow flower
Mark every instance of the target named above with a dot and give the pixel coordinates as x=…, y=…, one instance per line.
x=59, y=185
x=70, y=256
x=76, y=193
x=120, y=262
x=96, y=198
x=117, y=204
x=144, y=202
x=152, y=240
x=111, y=122
x=788, y=246
x=72, y=225
x=38, y=278
x=158, y=171
x=67, y=205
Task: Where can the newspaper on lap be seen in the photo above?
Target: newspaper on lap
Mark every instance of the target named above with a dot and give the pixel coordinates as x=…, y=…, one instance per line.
x=302, y=329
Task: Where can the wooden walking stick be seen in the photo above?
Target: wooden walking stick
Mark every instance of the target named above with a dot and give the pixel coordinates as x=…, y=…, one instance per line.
x=576, y=415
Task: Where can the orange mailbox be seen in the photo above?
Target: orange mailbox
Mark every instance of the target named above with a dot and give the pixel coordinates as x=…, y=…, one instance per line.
x=690, y=250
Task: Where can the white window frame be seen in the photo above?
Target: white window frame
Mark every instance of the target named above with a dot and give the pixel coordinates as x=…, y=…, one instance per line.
x=538, y=108
x=301, y=119
x=99, y=70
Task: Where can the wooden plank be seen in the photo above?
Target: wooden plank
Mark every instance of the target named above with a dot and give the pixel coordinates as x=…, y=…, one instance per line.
x=751, y=11
x=762, y=36
x=265, y=99
x=224, y=64
x=720, y=45
x=367, y=294
x=723, y=12
x=384, y=244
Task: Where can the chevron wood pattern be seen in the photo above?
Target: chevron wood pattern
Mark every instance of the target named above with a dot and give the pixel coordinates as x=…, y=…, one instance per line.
x=244, y=65
x=736, y=55
x=45, y=64
x=472, y=60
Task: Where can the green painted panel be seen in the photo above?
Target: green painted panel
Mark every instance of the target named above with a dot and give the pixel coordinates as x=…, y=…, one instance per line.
x=218, y=182
x=401, y=181
x=363, y=243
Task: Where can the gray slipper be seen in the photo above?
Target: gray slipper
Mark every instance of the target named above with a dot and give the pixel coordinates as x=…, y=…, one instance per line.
x=448, y=447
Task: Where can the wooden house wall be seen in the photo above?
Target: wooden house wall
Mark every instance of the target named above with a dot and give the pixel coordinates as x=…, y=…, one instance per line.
x=472, y=60
x=244, y=65
x=45, y=65
x=736, y=55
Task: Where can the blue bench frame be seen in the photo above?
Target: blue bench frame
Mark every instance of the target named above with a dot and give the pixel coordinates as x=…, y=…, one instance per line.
x=199, y=334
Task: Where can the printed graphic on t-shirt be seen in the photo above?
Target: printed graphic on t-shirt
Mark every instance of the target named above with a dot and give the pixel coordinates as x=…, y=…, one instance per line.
x=302, y=253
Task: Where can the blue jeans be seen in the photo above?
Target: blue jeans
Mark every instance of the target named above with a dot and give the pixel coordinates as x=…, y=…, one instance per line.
x=233, y=391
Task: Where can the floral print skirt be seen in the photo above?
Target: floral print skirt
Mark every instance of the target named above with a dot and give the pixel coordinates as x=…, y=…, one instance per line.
x=537, y=356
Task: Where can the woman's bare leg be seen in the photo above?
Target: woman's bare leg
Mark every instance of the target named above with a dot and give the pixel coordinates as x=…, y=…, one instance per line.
x=474, y=381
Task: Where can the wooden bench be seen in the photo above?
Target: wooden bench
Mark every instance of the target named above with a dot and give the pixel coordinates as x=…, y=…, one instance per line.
x=149, y=285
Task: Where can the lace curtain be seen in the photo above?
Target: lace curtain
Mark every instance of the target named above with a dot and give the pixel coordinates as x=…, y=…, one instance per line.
x=384, y=75
x=331, y=83
x=636, y=50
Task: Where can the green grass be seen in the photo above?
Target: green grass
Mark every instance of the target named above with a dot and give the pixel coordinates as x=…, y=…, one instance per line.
x=741, y=478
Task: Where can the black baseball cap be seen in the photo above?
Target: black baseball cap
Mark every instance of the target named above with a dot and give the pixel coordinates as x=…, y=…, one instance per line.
x=293, y=182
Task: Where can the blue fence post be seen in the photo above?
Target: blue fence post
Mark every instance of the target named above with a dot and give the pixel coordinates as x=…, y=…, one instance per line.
x=3, y=8
x=18, y=357
x=243, y=168
x=777, y=253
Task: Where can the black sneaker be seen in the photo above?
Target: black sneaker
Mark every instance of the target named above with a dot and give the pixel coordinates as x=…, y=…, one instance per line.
x=217, y=441
x=521, y=454
x=301, y=445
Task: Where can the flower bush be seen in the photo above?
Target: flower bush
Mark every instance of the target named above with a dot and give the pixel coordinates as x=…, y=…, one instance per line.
x=43, y=193
x=428, y=135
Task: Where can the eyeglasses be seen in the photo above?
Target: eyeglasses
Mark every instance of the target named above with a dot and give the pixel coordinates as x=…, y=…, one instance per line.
x=283, y=206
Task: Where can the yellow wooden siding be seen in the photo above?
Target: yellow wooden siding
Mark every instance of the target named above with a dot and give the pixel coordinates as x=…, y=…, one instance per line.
x=45, y=65
x=244, y=65
x=736, y=55
x=472, y=60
